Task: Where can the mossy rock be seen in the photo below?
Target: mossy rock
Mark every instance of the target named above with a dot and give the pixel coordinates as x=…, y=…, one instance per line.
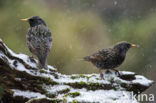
x=79, y=76
x=45, y=100
x=47, y=81
x=90, y=85
x=72, y=94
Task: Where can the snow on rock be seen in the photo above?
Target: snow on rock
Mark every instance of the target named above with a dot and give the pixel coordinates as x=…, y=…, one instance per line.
x=75, y=87
x=27, y=94
x=127, y=73
x=142, y=80
x=15, y=64
x=23, y=57
x=56, y=88
x=103, y=96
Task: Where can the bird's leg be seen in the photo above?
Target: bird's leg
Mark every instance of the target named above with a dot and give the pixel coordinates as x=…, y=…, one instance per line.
x=116, y=72
x=39, y=65
x=46, y=66
x=32, y=59
x=101, y=74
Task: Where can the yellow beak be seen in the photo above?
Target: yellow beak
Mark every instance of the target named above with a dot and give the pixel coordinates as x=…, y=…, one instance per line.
x=133, y=45
x=24, y=19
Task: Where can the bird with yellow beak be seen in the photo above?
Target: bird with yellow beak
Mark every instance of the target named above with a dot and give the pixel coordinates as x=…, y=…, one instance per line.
x=110, y=58
x=38, y=39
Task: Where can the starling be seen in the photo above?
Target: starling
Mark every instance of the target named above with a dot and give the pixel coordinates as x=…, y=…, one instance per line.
x=110, y=58
x=38, y=39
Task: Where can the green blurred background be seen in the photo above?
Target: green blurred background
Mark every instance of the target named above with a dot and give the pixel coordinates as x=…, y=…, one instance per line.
x=81, y=27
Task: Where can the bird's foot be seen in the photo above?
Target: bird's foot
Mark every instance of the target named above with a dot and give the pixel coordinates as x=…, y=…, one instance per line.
x=101, y=75
x=32, y=59
x=117, y=72
x=46, y=67
x=39, y=66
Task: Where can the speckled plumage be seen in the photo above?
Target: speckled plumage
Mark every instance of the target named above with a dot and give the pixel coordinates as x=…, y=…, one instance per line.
x=109, y=58
x=39, y=40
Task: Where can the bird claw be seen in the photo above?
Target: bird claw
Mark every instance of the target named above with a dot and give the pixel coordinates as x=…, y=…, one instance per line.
x=39, y=66
x=118, y=73
x=32, y=59
x=101, y=75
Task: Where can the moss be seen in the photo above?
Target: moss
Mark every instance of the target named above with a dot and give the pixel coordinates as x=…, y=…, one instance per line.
x=45, y=100
x=42, y=71
x=73, y=94
x=93, y=86
x=79, y=76
x=114, y=88
x=111, y=80
x=39, y=87
x=64, y=91
x=82, y=83
x=97, y=78
x=90, y=85
x=74, y=101
x=64, y=100
x=51, y=95
x=47, y=81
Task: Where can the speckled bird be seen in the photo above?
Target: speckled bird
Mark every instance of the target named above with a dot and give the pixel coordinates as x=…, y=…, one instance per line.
x=110, y=58
x=39, y=39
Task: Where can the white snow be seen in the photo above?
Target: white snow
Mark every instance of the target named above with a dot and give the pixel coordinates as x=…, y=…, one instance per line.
x=142, y=80
x=127, y=73
x=51, y=67
x=7, y=59
x=102, y=96
x=27, y=94
x=56, y=88
x=24, y=57
x=20, y=67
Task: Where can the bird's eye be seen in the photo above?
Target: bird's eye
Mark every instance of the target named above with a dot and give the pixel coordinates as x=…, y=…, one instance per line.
x=129, y=45
x=31, y=20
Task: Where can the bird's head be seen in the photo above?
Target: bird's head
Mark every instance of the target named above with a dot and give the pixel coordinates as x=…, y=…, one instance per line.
x=34, y=21
x=123, y=47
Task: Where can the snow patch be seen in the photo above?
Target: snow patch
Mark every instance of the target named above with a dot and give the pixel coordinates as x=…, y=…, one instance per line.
x=27, y=94
x=142, y=80
x=56, y=88
x=128, y=73
x=102, y=96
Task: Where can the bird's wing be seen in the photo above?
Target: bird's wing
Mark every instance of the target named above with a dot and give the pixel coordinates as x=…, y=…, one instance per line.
x=101, y=55
x=45, y=34
x=39, y=39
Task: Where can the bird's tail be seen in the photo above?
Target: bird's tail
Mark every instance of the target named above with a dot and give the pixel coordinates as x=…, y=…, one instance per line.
x=42, y=65
x=42, y=62
x=87, y=58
